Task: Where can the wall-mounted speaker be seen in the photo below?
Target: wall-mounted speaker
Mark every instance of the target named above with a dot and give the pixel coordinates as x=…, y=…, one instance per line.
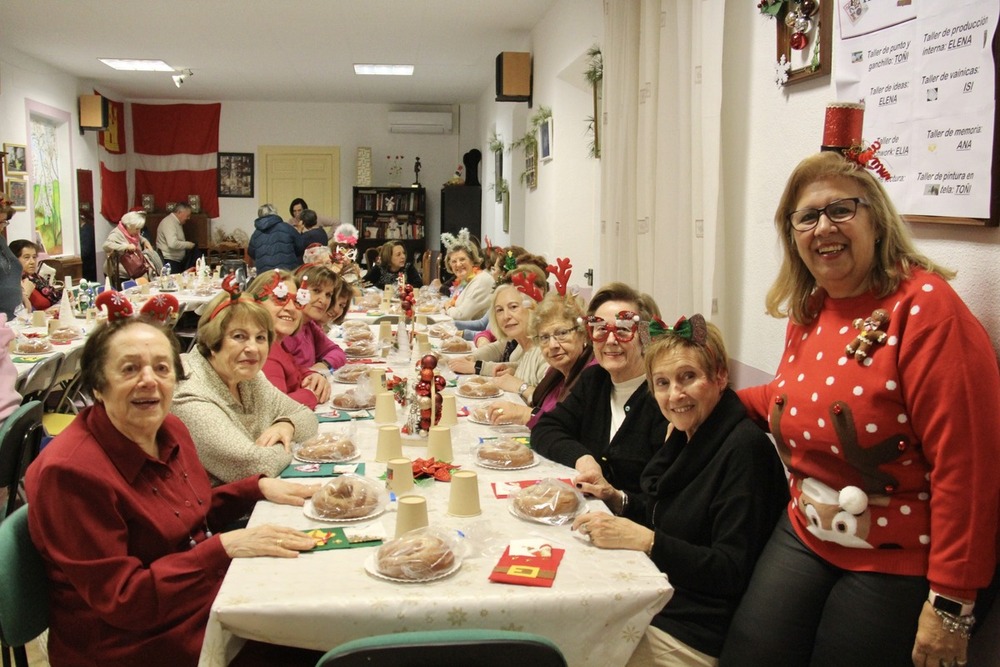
x=514, y=77
x=93, y=113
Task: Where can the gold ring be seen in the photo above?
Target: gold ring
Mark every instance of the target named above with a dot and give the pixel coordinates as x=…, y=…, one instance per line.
x=499, y=411
x=280, y=542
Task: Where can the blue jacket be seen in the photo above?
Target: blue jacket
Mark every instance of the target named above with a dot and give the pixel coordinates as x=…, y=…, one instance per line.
x=275, y=244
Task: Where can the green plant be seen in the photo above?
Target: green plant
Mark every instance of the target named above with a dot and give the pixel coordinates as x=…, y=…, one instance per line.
x=594, y=74
x=529, y=142
x=496, y=143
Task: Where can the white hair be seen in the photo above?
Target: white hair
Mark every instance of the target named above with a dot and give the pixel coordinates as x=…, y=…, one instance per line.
x=266, y=209
x=134, y=220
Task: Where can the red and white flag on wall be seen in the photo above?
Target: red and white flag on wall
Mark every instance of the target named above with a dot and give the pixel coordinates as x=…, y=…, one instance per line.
x=175, y=149
x=169, y=151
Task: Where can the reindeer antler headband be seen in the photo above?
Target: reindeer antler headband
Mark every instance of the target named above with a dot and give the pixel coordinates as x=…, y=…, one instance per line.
x=562, y=271
x=461, y=242
x=525, y=284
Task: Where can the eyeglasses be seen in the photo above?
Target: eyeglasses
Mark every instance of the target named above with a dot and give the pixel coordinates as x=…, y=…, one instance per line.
x=559, y=336
x=626, y=323
x=841, y=210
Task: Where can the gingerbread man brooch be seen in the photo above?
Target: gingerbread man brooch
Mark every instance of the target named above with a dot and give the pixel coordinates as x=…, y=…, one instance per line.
x=870, y=336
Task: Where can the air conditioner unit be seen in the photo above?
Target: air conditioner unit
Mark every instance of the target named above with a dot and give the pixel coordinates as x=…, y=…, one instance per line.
x=420, y=122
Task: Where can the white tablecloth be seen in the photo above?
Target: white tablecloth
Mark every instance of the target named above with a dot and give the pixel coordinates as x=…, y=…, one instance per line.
x=596, y=611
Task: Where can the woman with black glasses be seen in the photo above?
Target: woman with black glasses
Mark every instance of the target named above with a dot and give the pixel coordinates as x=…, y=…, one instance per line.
x=608, y=426
x=557, y=329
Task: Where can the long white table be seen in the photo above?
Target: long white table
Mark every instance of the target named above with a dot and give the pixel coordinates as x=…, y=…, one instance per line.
x=596, y=611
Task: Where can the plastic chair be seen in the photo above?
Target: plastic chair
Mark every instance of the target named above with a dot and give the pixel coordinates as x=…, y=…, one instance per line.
x=24, y=598
x=36, y=384
x=69, y=370
x=447, y=648
x=20, y=436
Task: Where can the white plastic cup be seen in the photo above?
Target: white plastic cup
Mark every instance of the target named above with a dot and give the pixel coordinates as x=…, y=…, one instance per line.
x=464, y=498
x=449, y=412
x=399, y=475
x=385, y=408
x=439, y=444
x=411, y=513
x=390, y=444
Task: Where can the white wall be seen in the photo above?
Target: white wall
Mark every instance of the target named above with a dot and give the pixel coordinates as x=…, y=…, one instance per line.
x=560, y=218
x=766, y=131
x=23, y=78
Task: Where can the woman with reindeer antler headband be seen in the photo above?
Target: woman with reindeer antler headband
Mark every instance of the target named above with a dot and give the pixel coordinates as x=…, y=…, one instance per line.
x=240, y=422
x=884, y=410
x=609, y=425
x=514, y=361
x=472, y=289
x=557, y=332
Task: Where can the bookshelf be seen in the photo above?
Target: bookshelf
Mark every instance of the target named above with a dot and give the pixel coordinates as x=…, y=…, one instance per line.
x=383, y=214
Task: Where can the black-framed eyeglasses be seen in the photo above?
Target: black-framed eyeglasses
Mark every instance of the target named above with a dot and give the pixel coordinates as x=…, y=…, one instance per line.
x=840, y=210
x=623, y=328
x=559, y=336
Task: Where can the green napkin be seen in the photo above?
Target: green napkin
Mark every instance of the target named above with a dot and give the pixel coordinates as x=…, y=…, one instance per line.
x=335, y=538
x=333, y=416
x=324, y=470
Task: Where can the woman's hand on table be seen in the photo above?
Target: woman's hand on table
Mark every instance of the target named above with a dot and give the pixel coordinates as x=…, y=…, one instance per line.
x=613, y=532
x=589, y=469
x=506, y=412
x=936, y=646
x=600, y=488
x=318, y=385
x=27, y=287
x=278, y=433
x=268, y=540
x=463, y=365
x=286, y=493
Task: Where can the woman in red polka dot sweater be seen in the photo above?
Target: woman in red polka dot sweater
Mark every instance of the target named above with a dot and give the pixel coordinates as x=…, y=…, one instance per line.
x=885, y=412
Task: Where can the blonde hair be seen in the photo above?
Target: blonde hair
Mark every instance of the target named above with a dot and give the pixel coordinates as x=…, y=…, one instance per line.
x=792, y=293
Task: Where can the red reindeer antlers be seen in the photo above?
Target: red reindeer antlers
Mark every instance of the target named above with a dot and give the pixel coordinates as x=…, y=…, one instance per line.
x=562, y=273
x=526, y=285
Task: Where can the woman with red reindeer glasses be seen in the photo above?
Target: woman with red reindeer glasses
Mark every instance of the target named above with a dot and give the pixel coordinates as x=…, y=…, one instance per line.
x=310, y=347
x=240, y=422
x=608, y=426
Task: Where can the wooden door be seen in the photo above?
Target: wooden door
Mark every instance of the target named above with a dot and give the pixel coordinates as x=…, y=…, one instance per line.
x=309, y=172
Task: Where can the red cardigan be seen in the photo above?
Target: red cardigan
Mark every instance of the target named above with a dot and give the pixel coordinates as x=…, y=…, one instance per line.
x=285, y=374
x=126, y=586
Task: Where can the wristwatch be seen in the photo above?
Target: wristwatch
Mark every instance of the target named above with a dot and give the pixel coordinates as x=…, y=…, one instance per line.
x=523, y=388
x=950, y=606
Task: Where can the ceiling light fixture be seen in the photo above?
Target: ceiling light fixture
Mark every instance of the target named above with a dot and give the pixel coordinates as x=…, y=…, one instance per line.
x=179, y=78
x=137, y=65
x=383, y=70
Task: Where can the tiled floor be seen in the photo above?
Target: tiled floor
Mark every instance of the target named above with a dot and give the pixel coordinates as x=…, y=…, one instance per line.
x=37, y=657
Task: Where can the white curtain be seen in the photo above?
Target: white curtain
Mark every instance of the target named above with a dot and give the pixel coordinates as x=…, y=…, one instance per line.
x=660, y=156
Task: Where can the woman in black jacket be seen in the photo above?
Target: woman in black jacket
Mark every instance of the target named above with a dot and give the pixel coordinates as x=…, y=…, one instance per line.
x=608, y=426
x=710, y=497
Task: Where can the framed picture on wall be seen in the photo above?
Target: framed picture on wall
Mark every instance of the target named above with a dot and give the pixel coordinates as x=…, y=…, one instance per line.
x=17, y=193
x=17, y=158
x=235, y=174
x=545, y=140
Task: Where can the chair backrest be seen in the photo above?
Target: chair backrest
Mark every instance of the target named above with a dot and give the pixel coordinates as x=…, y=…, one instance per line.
x=20, y=437
x=447, y=648
x=36, y=384
x=425, y=268
x=24, y=597
x=66, y=390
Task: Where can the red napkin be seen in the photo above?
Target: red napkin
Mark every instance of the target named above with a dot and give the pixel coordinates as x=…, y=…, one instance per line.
x=539, y=570
x=439, y=470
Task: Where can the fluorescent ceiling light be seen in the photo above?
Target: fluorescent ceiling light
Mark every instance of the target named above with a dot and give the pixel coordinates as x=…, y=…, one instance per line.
x=384, y=70
x=137, y=65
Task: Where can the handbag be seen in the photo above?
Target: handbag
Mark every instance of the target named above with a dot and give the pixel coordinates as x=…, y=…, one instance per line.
x=134, y=263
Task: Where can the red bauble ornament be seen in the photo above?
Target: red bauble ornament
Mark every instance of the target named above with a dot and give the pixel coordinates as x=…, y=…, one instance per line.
x=427, y=374
x=808, y=7
x=429, y=361
x=798, y=41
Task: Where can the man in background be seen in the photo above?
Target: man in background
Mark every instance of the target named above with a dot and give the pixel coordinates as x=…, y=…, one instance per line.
x=170, y=239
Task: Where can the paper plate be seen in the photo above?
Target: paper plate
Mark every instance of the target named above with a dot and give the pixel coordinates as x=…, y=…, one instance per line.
x=308, y=510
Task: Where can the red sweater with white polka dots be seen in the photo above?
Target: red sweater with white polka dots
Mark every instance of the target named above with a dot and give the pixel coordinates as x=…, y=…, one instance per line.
x=894, y=460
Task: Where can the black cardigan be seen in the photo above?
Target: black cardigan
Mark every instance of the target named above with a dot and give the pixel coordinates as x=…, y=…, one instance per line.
x=713, y=503
x=379, y=277
x=581, y=424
